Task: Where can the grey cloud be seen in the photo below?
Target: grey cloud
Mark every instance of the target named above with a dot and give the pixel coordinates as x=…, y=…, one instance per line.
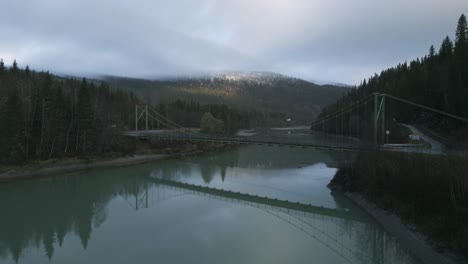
x=343, y=41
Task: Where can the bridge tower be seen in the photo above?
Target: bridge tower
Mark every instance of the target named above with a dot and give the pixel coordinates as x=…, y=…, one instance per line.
x=139, y=112
x=379, y=116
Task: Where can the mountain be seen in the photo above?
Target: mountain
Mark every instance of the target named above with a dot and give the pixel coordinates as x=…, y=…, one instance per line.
x=254, y=91
x=323, y=82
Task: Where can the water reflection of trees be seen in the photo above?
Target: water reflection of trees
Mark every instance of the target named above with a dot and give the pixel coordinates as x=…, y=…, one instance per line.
x=259, y=157
x=42, y=212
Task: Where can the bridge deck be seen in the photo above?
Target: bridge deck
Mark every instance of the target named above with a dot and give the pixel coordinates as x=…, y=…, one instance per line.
x=276, y=140
x=334, y=143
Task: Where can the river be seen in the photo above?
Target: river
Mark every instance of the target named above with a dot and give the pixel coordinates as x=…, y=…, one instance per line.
x=123, y=215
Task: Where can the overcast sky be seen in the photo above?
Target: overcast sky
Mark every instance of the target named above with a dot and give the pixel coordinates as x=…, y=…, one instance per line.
x=342, y=41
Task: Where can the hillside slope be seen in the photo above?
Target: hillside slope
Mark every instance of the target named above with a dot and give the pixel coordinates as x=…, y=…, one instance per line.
x=269, y=92
x=438, y=80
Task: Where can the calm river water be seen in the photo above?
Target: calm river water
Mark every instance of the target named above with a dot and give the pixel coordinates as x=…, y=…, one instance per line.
x=122, y=215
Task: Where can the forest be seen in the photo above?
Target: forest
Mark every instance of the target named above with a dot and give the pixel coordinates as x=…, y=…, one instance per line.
x=189, y=113
x=265, y=97
x=428, y=191
x=438, y=80
x=45, y=116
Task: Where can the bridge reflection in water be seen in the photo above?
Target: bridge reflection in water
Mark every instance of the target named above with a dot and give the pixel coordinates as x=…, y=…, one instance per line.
x=336, y=229
x=51, y=213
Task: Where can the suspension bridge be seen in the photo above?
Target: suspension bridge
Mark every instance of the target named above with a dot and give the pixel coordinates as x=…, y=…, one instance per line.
x=362, y=125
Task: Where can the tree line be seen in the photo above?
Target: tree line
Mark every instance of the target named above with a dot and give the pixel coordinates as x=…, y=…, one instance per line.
x=438, y=80
x=45, y=116
x=429, y=191
x=189, y=114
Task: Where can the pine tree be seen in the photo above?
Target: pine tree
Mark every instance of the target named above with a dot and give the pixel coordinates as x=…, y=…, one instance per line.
x=461, y=57
x=461, y=70
x=84, y=112
x=2, y=67
x=27, y=71
x=44, y=116
x=84, y=106
x=10, y=134
x=14, y=67
x=431, y=95
x=446, y=49
x=461, y=44
x=59, y=112
x=431, y=53
x=461, y=34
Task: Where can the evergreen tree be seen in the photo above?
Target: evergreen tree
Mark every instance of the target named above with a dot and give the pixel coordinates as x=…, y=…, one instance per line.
x=461, y=34
x=431, y=53
x=84, y=106
x=59, y=113
x=14, y=67
x=461, y=71
x=27, y=71
x=446, y=49
x=84, y=112
x=2, y=67
x=11, y=121
x=44, y=116
x=432, y=79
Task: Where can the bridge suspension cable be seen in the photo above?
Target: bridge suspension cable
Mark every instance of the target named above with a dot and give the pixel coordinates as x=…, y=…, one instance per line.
x=346, y=128
x=345, y=109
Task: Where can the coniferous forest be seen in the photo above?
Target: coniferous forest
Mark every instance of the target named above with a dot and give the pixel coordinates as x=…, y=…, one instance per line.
x=429, y=191
x=234, y=131
x=44, y=116
x=438, y=80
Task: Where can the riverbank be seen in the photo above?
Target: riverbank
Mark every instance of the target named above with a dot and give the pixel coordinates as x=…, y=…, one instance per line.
x=414, y=242
x=64, y=166
x=421, y=199
x=36, y=169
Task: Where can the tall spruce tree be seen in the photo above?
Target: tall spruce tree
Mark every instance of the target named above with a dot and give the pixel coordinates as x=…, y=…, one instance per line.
x=446, y=82
x=12, y=122
x=84, y=112
x=27, y=71
x=14, y=67
x=461, y=34
x=461, y=60
x=431, y=52
x=2, y=67
x=446, y=49
x=432, y=91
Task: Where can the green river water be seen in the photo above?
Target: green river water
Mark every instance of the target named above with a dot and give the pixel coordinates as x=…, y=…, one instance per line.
x=122, y=215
